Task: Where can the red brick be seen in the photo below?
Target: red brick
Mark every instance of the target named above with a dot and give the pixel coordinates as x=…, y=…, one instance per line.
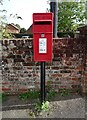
x=63, y=87
x=6, y=89
x=37, y=83
x=55, y=68
x=18, y=52
x=5, y=82
x=30, y=68
x=28, y=64
x=85, y=75
x=79, y=67
x=28, y=59
x=56, y=75
x=84, y=81
x=22, y=89
x=35, y=75
x=74, y=78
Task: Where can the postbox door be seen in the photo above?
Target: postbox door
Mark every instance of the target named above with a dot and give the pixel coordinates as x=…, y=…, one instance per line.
x=43, y=47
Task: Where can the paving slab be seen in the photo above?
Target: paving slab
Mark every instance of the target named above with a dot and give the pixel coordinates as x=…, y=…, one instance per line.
x=15, y=114
x=74, y=108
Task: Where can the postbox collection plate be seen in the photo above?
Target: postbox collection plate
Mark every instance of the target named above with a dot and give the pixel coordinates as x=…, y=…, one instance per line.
x=42, y=45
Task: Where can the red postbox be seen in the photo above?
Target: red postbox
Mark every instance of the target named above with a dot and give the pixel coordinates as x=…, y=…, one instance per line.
x=43, y=35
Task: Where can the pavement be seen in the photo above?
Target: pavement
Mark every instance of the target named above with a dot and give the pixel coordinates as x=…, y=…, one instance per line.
x=74, y=108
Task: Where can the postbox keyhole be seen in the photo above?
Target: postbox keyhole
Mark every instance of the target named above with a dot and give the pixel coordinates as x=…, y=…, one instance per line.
x=42, y=35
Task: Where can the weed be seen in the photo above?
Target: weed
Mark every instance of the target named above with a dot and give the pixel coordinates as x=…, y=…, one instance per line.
x=44, y=106
x=29, y=95
x=49, y=85
x=35, y=95
x=2, y=97
x=49, y=82
x=51, y=94
x=38, y=107
x=64, y=92
x=31, y=114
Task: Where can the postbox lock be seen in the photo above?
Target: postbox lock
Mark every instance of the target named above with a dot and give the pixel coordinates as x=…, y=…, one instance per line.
x=42, y=35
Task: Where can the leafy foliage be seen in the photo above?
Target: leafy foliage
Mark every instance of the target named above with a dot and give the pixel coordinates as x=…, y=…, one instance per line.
x=64, y=92
x=29, y=95
x=51, y=94
x=23, y=30
x=18, y=25
x=70, y=15
x=45, y=106
x=42, y=107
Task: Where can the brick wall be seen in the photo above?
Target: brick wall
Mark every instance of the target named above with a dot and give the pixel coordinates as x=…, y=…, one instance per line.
x=19, y=72
x=83, y=39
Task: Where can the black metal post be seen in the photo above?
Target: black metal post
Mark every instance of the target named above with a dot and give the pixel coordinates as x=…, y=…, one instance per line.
x=42, y=82
x=86, y=12
x=54, y=9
